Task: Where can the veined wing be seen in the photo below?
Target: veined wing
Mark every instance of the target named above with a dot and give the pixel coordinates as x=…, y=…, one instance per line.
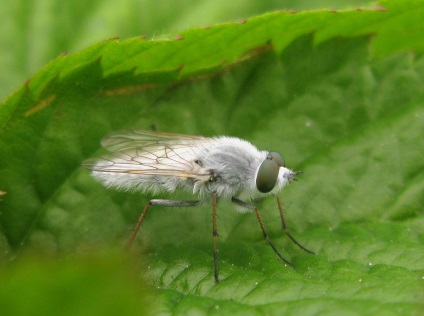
x=152, y=154
x=132, y=139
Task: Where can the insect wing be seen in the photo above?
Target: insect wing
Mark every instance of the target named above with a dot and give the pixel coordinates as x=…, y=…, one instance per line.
x=132, y=139
x=151, y=153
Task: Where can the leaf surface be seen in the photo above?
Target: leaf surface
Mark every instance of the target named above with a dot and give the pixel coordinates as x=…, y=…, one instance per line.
x=339, y=94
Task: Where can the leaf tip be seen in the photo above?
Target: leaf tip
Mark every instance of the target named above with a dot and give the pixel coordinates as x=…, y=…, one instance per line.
x=259, y=50
x=380, y=8
x=114, y=38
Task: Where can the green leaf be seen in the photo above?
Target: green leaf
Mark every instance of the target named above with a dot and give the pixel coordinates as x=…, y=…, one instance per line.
x=35, y=32
x=73, y=286
x=339, y=94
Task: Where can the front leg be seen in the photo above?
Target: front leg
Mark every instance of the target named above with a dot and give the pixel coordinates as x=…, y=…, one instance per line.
x=286, y=231
x=261, y=223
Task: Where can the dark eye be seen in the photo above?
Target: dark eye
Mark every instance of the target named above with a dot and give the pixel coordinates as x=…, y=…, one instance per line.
x=278, y=158
x=267, y=175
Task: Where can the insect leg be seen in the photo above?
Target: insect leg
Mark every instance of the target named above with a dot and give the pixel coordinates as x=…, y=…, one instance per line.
x=215, y=237
x=261, y=223
x=171, y=203
x=283, y=223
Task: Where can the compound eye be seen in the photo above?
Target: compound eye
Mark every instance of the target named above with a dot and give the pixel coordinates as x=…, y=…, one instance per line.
x=267, y=175
x=278, y=158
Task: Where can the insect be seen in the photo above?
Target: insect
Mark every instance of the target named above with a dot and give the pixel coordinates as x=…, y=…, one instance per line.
x=213, y=169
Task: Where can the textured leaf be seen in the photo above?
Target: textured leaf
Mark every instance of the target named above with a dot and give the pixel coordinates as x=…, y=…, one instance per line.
x=340, y=94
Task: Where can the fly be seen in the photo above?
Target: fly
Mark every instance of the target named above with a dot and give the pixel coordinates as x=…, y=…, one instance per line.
x=213, y=169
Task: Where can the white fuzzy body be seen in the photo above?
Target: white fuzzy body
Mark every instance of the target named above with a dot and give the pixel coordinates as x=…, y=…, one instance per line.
x=153, y=162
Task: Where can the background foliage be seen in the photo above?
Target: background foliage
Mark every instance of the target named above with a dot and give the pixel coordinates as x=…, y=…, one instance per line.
x=339, y=93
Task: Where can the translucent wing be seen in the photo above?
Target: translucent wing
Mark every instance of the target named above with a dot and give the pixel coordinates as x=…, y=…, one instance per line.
x=131, y=139
x=152, y=154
